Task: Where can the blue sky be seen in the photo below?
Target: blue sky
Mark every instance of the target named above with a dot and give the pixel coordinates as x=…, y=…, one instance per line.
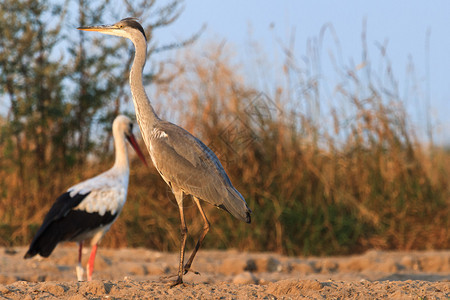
x=403, y=24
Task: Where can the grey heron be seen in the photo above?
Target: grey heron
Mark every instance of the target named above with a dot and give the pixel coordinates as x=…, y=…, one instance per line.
x=185, y=163
x=89, y=208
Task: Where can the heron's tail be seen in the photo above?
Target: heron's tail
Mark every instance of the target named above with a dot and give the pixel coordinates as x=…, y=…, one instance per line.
x=235, y=204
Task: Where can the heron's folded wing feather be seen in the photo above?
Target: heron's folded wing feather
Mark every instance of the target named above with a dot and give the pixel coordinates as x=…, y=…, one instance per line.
x=186, y=162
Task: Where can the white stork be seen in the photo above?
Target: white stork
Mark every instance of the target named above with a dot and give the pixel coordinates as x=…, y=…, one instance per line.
x=89, y=208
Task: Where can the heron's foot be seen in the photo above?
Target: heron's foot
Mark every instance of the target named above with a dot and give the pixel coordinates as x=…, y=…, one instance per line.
x=188, y=269
x=168, y=276
x=178, y=282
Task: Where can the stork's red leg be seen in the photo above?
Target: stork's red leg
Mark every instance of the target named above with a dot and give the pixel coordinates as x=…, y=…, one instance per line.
x=200, y=240
x=90, y=265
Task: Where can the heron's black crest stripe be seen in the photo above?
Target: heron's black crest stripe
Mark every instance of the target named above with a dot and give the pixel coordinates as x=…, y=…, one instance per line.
x=133, y=23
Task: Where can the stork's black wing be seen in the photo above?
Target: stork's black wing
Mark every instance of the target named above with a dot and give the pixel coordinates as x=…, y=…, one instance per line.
x=44, y=242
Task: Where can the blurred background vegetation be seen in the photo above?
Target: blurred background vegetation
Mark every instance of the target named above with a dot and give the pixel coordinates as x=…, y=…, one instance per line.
x=321, y=178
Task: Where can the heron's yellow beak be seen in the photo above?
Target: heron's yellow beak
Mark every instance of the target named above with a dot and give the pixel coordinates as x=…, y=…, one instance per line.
x=101, y=28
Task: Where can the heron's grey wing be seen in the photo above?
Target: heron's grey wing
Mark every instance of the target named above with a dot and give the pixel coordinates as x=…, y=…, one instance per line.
x=183, y=163
x=186, y=162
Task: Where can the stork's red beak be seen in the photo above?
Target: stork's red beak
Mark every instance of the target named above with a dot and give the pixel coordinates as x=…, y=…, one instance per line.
x=135, y=145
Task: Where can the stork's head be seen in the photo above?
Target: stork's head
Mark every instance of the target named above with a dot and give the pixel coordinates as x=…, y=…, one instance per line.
x=128, y=27
x=123, y=124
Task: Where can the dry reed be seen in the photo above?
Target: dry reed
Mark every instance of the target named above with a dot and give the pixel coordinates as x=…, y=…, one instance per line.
x=362, y=182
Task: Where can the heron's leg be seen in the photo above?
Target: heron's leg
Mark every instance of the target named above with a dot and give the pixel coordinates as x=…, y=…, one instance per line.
x=200, y=240
x=90, y=265
x=179, y=197
x=79, y=268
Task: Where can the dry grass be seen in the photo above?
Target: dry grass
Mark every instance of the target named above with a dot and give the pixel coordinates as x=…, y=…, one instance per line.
x=351, y=179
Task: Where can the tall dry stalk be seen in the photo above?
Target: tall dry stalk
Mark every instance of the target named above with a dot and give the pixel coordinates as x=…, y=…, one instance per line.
x=351, y=177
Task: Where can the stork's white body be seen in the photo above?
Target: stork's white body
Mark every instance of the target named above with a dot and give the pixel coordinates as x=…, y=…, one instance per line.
x=88, y=209
x=106, y=193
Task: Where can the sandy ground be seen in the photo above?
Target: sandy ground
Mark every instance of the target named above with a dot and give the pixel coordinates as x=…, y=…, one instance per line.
x=139, y=274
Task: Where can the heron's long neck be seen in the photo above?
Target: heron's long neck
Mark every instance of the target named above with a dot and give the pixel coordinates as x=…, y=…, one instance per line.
x=121, y=163
x=145, y=114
